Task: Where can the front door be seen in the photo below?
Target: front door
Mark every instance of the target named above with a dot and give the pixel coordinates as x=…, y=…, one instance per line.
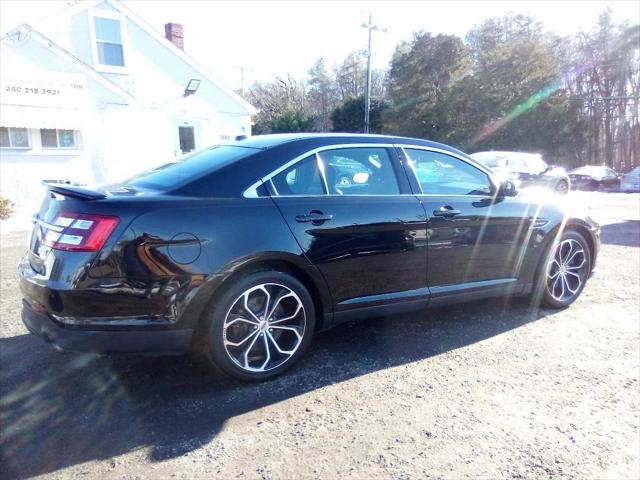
x=357, y=223
x=187, y=139
x=475, y=241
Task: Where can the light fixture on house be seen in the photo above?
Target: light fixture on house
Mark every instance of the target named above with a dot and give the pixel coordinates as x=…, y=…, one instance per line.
x=192, y=87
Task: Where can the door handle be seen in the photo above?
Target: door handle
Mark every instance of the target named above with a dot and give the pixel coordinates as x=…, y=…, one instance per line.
x=313, y=218
x=446, y=212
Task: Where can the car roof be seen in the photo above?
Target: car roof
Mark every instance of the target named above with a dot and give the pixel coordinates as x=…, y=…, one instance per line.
x=491, y=154
x=274, y=140
x=271, y=152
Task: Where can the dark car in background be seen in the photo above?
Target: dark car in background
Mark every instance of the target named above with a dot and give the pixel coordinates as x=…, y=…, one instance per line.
x=594, y=177
x=244, y=251
x=525, y=169
x=630, y=182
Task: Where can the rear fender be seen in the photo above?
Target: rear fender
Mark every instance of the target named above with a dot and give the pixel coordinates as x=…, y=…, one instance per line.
x=198, y=247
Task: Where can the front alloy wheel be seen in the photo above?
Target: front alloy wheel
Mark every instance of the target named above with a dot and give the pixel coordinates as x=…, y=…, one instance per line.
x=567, y=270
x=260, y=326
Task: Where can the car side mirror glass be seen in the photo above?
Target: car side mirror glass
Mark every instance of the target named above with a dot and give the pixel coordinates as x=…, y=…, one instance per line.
x=506, y=188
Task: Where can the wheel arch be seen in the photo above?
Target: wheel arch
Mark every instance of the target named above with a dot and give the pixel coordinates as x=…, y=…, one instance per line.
x=293, y=265
x=576, y=226
x=572, y=224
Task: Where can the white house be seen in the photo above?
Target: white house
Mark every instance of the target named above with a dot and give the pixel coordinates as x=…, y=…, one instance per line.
x=93, y=94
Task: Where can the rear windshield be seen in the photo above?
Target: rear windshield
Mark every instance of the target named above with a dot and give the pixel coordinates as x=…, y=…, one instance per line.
x=175, y=174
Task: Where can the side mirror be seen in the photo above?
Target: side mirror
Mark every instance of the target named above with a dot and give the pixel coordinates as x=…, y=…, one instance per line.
x=506, y=188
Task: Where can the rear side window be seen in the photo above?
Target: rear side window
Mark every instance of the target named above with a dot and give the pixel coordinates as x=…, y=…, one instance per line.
x=516, y=163
x=191, y=167
x=302, y=178
x=536, y=164
x=440, y=174
x=359, y=171
x=494, y=162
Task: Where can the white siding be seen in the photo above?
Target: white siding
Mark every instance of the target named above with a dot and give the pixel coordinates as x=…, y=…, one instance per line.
x=120, y=137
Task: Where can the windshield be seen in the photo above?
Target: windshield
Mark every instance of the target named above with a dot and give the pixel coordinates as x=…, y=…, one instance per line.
x=590, y=170
x=510, y=160
x=174, y=174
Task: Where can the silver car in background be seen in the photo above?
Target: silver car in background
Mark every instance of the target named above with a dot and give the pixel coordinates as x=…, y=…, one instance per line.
x=525, y=169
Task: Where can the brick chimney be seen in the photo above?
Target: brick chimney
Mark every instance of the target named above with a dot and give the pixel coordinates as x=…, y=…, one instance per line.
x=174, y=33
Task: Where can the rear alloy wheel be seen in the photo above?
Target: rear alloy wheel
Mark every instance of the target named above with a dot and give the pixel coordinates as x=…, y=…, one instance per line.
x=567, y=270
x=261, y=326
x=562, y=187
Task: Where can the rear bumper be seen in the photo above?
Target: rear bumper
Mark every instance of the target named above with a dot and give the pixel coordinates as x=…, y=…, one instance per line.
x=166, y=342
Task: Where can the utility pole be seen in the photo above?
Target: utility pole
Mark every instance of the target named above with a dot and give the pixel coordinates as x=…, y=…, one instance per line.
x=367, y=99
x=242, y=69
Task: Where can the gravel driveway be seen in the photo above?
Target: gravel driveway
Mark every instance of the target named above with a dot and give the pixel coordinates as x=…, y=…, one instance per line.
x=490, y=389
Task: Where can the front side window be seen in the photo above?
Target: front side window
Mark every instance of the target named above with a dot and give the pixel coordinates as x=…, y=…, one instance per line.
x=300, y=179
x=109, y=41
x=14, y=137
x=52, y=138
x=359, y=171
x=440, y=174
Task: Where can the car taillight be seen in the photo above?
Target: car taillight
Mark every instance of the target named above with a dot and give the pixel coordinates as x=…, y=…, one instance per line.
x=80, y=232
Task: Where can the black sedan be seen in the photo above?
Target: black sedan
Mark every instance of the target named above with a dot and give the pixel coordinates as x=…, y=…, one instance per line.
x=526, y=170
x=594, y=177
x=243, y=251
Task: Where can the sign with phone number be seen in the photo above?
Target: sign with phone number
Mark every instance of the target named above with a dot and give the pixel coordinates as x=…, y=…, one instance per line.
x=65, y=92
x=31, y=90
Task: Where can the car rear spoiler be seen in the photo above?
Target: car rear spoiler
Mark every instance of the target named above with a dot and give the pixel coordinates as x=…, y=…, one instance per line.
x=70, y=190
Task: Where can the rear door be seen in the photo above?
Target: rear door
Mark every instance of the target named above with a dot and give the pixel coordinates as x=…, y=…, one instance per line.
x=475, y=241
x=352, y=212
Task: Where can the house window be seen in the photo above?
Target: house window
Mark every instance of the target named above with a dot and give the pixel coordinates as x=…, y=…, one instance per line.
x=65, y=139
x=14, y=138
x=109, y=41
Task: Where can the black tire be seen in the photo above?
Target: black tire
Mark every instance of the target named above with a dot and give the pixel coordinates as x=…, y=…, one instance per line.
x=218, y=329
x=547, y=290
x=562, y=187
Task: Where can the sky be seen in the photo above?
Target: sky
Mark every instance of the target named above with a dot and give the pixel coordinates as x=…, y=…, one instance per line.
x=271, y=38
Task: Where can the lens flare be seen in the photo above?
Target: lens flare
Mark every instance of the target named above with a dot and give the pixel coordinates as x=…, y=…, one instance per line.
x=521, y=108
